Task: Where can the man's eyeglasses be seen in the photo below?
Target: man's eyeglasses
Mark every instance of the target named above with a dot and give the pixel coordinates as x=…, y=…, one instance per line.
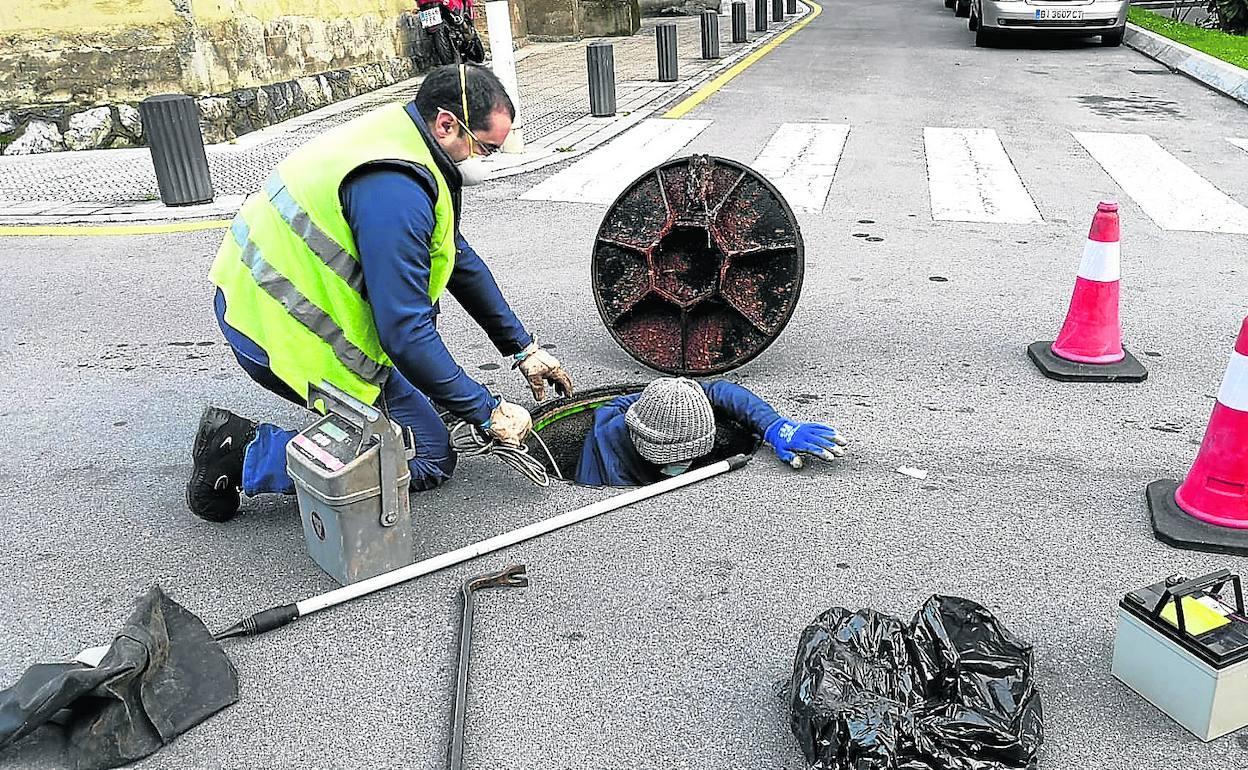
x=487, y=149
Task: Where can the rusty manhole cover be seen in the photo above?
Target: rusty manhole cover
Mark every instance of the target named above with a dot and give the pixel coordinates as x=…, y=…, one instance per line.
x=697, y=266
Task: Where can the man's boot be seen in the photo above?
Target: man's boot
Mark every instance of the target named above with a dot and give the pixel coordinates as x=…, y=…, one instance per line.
x=220, y=443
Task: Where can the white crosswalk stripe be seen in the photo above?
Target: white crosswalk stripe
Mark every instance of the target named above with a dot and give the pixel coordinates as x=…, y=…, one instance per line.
x=602, y=175
x=800, y=159
x=970, y=175
x=971, y=178
x=1173, y=195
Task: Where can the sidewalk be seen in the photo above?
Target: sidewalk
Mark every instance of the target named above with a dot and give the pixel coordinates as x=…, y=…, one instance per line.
x=109, y=186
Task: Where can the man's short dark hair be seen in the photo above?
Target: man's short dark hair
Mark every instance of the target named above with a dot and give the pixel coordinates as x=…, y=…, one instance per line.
x=441, y=90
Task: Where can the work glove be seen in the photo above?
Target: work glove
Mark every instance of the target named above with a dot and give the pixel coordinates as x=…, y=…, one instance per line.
x=509, y=423
x=539, y=367
x=790, y=438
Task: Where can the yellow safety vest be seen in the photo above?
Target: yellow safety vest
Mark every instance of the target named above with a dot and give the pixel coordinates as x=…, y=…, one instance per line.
x=290, y=270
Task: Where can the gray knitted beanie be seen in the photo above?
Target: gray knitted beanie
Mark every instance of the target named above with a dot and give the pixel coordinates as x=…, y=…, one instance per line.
x=672, y=421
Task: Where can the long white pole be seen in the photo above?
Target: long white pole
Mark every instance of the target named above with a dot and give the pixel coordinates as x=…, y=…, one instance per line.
x=503, y=62
x=451, y=558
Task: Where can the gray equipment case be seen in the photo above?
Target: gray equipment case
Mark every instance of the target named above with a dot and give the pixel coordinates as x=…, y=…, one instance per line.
x=1199, y=679
x=351, y=477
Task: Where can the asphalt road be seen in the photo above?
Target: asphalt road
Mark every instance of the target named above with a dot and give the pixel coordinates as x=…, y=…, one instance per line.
x=654, y=636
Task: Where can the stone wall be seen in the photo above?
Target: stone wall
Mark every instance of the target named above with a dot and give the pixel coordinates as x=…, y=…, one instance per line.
x=88, y=52
x=246, y=43
x=575, y=19
x=681, y=7
x=73, y=71
x=231, y=115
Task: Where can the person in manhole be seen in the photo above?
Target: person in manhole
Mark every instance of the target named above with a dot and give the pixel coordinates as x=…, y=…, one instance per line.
x=660, y=432
x=333, y=273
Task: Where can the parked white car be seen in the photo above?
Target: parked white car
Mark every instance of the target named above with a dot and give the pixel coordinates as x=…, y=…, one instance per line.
x=991, y=19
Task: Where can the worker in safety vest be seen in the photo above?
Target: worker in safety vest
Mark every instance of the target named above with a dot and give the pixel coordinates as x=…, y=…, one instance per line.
x=646, y=437
x=334, y=271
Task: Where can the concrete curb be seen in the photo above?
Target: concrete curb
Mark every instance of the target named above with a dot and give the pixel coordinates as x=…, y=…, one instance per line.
x=1221, y=76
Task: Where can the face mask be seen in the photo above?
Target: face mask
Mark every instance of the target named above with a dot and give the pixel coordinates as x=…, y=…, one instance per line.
x=675, y=469
x=473, y=170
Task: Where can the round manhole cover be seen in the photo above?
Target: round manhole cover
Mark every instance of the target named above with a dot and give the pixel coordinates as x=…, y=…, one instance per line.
x=697, y=266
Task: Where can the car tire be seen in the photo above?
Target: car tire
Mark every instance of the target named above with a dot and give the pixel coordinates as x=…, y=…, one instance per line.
x=985, y=37
x=1113, y=39
x=962, y=8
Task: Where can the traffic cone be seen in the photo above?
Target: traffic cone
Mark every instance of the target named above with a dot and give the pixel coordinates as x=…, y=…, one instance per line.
x=1209, y=511
x=1089, y=347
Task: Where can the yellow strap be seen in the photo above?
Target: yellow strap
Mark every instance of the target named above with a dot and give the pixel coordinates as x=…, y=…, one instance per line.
x=463, y=98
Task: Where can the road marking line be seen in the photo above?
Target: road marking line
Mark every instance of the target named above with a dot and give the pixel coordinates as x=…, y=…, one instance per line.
x=1173, y=195
x=971, y=178
x=701, y=95
x=1240, y=143
x=602, y=174
x=102, y=230
x=800, y=159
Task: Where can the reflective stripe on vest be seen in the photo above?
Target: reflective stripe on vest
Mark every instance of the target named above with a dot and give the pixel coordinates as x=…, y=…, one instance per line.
x=304, y=310
x=320, y=244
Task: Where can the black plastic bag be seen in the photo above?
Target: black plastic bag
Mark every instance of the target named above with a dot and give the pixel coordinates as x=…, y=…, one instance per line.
x=953, y=690
x=163, y=675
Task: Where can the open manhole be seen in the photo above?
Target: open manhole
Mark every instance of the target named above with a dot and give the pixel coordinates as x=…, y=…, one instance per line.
x=697, y=266
x=564, y=423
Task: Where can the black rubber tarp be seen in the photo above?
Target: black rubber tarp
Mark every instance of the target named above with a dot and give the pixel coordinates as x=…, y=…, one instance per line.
x=162, y=675
x=950, y=690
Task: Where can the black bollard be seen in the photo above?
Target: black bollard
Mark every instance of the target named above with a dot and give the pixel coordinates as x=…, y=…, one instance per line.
x=790, y=7
x=760, y=15
x=738, y=21
x=777, y=10
x=600, y=62
x=710, y=35
x=665, y=37
x=171, y=124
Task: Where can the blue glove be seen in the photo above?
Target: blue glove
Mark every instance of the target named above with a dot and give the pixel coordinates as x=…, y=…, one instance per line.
x=790, y=438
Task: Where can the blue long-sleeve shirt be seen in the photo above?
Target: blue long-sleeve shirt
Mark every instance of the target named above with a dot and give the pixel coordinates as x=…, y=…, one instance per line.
x=391, y=214
x=609, y=458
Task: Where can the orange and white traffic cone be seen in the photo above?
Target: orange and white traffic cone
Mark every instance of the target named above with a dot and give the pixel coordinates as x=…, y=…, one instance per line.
x=1089, y=347
x=1209, y=510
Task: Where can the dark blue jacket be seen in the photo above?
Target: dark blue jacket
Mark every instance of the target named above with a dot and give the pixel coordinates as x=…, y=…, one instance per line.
x=390, y=211
x=608, y=457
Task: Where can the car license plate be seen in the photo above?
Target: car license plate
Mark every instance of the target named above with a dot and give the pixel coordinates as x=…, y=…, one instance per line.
x=431, y=17
x=1059, y=14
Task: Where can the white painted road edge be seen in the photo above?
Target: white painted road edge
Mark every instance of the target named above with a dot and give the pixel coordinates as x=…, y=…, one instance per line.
x=971, y=178
x=1173, y=195
x=1240, y=143
x=603, y=174
x=800, y=159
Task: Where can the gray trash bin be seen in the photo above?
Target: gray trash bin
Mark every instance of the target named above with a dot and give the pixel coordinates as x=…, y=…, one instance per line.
x=171, y=125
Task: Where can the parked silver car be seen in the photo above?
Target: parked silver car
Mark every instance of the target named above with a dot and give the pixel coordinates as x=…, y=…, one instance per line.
x=991, y=19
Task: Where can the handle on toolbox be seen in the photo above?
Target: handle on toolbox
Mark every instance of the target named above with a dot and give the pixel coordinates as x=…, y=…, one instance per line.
x=1214, y=581
x=374, y=424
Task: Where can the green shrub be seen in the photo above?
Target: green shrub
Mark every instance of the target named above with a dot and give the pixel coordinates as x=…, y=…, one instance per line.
x=1231, y=15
